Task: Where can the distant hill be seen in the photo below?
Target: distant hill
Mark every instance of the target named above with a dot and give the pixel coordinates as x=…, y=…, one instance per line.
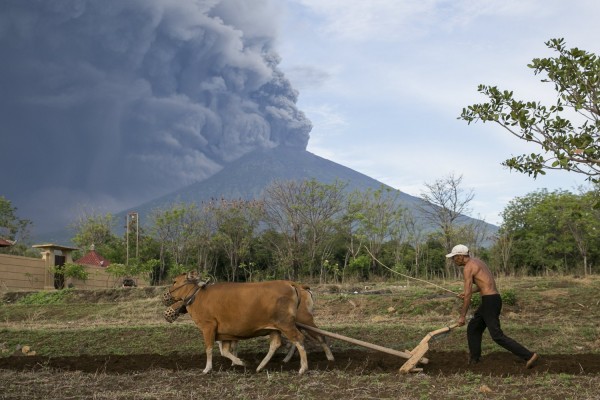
x=247, y=177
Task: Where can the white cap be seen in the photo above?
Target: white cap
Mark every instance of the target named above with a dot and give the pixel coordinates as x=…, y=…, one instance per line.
x=459, y=250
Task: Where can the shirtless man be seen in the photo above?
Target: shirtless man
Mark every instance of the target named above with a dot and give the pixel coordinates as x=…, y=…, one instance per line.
x=476, y=273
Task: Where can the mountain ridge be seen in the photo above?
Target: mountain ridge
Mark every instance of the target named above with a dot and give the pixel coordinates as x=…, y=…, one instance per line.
x=247, y=177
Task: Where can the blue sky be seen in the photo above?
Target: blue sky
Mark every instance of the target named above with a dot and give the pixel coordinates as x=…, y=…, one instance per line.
x=384, y=81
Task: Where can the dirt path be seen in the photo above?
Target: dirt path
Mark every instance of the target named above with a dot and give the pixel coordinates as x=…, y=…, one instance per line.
x=445, y=363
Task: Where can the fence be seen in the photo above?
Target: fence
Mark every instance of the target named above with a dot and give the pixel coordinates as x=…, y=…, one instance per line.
x=26, y=273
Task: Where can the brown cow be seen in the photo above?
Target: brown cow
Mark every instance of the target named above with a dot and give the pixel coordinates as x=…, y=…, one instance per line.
x=235, y=311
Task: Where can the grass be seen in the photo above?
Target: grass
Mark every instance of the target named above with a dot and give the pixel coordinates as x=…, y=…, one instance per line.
x=552, y=315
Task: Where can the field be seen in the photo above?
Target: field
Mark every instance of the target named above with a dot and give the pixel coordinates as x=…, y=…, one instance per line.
x=115, y=344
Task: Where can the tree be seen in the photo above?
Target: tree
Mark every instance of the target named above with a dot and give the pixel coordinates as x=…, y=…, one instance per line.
x=304, y=213
x=13, y=228
x=445, y=202
x=575, y=74
x=70, y=270
x=235, y=225
x=416, y=235
x=379, y=220
x=95, y=229
x=552, y=231
x=181, y=231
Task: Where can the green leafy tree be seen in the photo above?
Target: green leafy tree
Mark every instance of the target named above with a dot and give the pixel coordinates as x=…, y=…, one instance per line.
x=133, y=269
x=551, y=231
x=181, y=234
x=13, y=228
x=70, y=270
x=567, y=132
x=235, y=225
x=96, y=229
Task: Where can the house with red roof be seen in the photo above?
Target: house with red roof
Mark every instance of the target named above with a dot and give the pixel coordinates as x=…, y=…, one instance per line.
x=92, y=258
x=6, y=242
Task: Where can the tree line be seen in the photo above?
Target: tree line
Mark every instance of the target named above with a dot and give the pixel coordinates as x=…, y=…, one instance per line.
x=304, y=230
x=318, y=232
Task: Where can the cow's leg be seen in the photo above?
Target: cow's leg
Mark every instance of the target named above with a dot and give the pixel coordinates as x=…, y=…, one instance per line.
x=297, y=339
x=209, y=334
x=234, y=347
x=326, y=349
x=319, y=338
x=226, y=348
x=303, y=360
x=274, y=343
x=323, y=342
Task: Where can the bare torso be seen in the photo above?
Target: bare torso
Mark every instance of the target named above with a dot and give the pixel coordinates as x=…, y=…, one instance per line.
x=481, y=276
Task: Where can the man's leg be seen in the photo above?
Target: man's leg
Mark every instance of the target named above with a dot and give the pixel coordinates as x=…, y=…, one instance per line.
x=475, y=330
x=491, y=316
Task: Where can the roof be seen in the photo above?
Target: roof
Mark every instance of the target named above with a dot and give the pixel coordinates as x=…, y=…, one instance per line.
x=93, y=258
x=6, y=242
x=54, y=247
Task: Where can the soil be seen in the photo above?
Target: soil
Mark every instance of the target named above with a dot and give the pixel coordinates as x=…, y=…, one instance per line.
x=444, y=363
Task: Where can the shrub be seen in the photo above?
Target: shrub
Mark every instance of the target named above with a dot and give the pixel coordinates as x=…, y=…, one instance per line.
x=46, y=297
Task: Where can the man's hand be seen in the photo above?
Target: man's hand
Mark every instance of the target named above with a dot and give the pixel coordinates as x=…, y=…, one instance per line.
x=461, y=321
x=461, y=295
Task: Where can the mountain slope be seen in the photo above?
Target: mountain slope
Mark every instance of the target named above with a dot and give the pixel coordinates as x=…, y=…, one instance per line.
x=247, y=177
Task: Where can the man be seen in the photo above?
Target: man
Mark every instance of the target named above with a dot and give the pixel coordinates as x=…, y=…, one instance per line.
x=476, y=272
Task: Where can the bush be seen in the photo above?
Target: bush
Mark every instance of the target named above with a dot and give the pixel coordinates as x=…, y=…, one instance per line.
x=70, y=270
x=49, y=297
x=509, y=297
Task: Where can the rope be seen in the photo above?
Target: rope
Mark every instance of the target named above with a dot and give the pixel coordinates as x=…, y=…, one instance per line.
x=407, y=276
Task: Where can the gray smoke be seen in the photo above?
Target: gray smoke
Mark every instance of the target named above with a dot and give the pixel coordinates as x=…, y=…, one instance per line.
x=108, y=103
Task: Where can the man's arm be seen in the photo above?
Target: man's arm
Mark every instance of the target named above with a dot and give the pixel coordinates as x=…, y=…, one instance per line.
x=467, y=293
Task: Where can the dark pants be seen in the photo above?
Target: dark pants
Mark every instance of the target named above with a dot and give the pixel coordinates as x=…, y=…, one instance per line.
x=488, y=316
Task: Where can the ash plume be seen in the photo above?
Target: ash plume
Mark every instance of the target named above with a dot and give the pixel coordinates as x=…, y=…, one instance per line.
x=109, y=103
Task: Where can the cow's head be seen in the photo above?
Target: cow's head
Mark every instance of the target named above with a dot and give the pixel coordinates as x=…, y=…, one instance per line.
x=184, y=285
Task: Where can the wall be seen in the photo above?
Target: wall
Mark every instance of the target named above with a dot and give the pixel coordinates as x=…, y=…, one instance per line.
x=23, y=273
x=98, y=278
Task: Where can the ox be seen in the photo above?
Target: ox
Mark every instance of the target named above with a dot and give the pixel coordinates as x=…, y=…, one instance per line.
x=233, y=311
x=304, y=315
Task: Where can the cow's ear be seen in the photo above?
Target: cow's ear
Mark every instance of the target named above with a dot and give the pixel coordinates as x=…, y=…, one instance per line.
x=203, y=285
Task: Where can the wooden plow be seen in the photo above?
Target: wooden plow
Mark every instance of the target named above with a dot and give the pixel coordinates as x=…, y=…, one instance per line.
x=413, y=357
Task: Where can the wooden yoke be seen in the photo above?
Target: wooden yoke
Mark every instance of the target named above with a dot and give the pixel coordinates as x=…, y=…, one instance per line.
x=418, y=352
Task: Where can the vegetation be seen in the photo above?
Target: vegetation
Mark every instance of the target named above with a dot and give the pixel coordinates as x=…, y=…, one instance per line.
x=13, y=228
x=549, y=232
x=575, y=74
x=316, y=232
x=70, y=270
